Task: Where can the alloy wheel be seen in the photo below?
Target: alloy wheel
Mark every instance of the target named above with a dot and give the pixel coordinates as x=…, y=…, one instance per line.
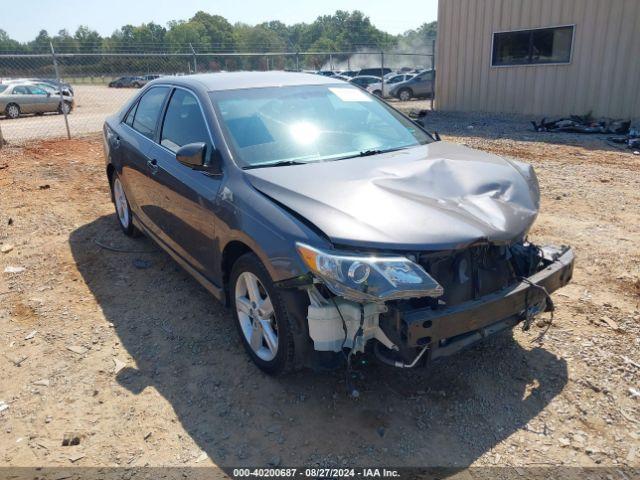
x=13, y=111
x=256, y=316
x=121, y=203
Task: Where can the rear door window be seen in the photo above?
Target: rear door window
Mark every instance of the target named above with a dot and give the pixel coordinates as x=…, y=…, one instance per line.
x=183, y=122
x=148, y=111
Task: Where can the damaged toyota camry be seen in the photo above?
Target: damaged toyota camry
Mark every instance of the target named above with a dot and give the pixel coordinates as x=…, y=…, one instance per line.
x=329, y=222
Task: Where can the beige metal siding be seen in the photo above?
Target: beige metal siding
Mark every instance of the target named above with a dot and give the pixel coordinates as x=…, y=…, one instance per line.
x=603, y=76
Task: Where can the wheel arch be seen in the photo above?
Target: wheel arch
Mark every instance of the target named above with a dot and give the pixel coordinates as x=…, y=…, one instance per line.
x=232, y=251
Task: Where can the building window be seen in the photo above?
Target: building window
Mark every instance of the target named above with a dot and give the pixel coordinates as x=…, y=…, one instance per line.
x=532, y=47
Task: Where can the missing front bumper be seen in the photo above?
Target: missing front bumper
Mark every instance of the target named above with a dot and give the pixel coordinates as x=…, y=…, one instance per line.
x=448, y=330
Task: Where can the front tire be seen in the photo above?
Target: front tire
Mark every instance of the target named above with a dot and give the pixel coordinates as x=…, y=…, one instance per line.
x=12, y=111
x=123, y=210
x=64, y=108
x=405, y=95
x=261, y=316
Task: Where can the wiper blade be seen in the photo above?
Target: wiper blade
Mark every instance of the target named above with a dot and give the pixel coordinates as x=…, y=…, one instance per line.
x=283, y=163
x=368, y=153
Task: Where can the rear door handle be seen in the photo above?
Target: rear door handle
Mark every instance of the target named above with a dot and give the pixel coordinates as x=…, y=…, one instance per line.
x=153, y=166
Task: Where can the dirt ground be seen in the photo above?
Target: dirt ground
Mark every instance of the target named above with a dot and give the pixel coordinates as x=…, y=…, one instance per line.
x=92, y=104
x=126, y=355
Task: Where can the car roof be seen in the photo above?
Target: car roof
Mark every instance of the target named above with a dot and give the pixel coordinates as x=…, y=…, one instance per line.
x=240, y=80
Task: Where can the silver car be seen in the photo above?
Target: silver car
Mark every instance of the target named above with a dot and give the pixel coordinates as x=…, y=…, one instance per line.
x=22, y=98
x=421, y=85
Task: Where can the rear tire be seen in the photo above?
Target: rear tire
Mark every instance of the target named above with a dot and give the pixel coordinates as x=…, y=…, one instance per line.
x=261, y=316
x=123, y=210
x=12, y=111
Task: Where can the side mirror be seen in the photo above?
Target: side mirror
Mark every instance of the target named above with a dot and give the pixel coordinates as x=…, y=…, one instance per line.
x=193, y=155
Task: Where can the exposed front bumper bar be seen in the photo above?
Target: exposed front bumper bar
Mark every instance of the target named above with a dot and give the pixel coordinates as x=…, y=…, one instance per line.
x=448, y=330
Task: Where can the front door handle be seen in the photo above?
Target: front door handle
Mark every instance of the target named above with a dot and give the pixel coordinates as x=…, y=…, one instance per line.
x=153, y=166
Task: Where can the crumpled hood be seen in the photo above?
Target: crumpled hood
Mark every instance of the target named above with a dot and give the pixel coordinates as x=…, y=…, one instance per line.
x=433, y=197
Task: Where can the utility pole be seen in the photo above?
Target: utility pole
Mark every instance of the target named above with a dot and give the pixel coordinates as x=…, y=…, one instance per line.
x=195, y=59
x=382, y=73
x=62, y=104
x=433, y=72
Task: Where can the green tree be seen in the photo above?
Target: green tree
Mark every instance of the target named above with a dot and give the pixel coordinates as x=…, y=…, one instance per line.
x=218, y=30
x=41, y=43
x=87, y=40
x=9, y=45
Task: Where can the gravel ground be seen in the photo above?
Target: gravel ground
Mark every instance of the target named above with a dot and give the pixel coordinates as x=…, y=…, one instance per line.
x=127, y=356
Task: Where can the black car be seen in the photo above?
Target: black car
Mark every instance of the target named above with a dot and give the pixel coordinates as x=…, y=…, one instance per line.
x=327, y=220
x=376, y=71
x=128, y=82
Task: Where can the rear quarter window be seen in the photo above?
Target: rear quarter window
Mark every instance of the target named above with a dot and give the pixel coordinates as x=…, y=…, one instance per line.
x=147, y=111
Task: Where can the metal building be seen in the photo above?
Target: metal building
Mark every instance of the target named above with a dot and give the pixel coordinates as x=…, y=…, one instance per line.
x=543, y=57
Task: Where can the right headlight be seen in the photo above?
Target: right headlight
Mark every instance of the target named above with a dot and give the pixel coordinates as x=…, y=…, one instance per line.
x=369, y=278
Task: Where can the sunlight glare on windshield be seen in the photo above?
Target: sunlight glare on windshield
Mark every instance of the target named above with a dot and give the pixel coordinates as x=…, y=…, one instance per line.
x=304, y=133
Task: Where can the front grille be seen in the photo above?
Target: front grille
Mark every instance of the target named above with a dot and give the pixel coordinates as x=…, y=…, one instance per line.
x=470, y=273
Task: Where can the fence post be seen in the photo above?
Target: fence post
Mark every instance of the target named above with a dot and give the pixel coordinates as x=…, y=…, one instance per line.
x=433, y=69
x=195, y=59
x=64, y=110
x=382, y=73
x=297, y=62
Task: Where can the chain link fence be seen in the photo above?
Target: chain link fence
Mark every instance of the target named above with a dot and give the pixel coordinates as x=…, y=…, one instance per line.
x=69, y=95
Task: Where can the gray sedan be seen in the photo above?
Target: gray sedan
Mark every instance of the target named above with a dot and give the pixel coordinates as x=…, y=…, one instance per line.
x=419, y=86
x=18, y=99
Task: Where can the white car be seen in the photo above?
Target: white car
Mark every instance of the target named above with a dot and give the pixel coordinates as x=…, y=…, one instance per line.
x=390, y=79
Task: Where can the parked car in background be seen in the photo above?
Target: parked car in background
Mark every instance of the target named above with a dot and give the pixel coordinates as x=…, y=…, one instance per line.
x=376, y=71
x=349, y=73
x=66, y=95
x=422, y=85
x=17, y=99
x=327, y=220
x=66, y=87
x=389, y=81
x=128, y=82
x=363, y=81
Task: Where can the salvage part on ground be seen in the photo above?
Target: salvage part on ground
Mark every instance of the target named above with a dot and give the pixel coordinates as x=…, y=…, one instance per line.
x=583, y=124
x=631, y=139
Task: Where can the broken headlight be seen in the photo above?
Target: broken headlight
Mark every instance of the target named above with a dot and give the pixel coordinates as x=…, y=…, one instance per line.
x=369, y=278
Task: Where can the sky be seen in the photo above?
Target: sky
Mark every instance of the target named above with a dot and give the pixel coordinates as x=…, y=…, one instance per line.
x=23, y=24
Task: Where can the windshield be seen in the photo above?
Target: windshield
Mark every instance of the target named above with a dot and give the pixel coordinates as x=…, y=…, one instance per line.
x=310, y=123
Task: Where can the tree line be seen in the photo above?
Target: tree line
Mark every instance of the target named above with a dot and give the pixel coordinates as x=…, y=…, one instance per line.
x=206, y=33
